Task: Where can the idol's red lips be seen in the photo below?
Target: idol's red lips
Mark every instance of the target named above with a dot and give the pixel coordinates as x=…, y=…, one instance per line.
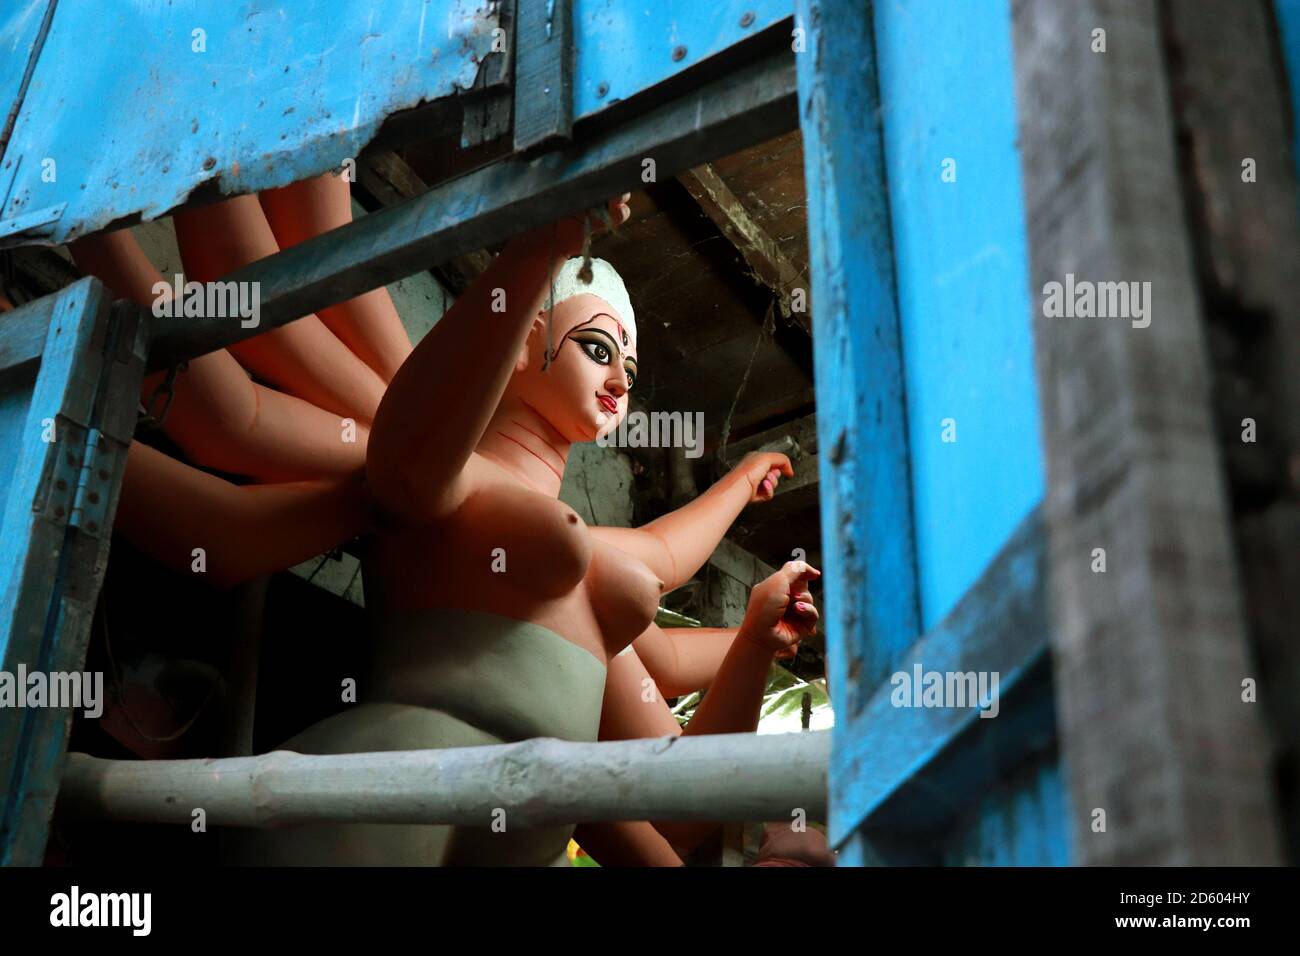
x=610, y=404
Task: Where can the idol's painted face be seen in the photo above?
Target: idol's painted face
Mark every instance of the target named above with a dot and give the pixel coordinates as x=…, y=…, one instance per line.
x=581, y=385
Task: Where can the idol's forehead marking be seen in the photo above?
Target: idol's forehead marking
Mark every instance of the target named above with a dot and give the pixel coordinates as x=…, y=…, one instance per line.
x=622, y=350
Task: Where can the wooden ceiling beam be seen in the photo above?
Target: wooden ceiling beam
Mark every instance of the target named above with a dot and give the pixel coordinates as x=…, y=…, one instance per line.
x=770, y=266
x=388, y=180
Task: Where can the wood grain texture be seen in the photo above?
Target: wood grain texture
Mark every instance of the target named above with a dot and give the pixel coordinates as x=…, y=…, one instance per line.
x=1148, y=656
x=543, y=73
x=871, y=612
x=1231, y=110
x=760, y=251
x=55, y=541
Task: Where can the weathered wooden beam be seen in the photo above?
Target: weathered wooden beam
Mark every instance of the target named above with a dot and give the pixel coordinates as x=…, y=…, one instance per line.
x=389, y=180
x=1150, y=654
x=733, y=560
x=490, y=205
x=727, y=578
x=54, y=528
x=537, y=782
x=760, y=251
x=871, y=603
x=544, y=73
x=796, y=439
x=1240, y=188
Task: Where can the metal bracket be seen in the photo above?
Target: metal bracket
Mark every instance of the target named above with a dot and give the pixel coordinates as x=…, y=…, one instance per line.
x=56, y=498
x=29, y=221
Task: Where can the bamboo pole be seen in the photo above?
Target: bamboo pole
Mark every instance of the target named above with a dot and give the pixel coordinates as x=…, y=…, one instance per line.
x=537, y=782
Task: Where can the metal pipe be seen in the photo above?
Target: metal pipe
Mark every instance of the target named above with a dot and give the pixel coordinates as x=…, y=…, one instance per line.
x=536, y=782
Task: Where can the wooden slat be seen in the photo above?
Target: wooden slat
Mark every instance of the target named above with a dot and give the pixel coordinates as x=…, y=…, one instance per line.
x=759, y=250
x=389, y=180
x=1148, y=656
x=543, y=73
x=1000, y=626
x=871, y=611
x=89, y=379
x=1231, y=107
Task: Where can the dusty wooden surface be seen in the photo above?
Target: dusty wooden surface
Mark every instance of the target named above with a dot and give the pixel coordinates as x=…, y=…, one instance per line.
x=1150, y=655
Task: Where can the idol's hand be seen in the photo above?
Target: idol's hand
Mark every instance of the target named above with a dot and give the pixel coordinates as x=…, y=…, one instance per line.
x=564, y=237
x=763, y=469
x=781, y=611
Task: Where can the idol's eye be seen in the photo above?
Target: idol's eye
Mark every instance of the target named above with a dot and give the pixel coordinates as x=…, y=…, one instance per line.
x=597, y=351
x=631, y=376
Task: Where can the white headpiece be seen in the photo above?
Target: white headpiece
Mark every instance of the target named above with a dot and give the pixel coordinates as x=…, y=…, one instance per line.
x=605, y=283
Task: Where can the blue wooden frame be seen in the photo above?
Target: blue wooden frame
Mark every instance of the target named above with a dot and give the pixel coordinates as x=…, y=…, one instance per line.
x=872, y=611
x=304, y=100
x=907, y=782
x=68, y=395
x=1288, y=21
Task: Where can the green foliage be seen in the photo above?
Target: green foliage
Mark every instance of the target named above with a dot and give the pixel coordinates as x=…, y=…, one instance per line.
x=782, y=709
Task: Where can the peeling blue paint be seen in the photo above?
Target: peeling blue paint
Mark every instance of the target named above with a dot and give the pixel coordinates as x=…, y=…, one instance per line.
x=167, y=96
x=629, y=44
x=948, y=111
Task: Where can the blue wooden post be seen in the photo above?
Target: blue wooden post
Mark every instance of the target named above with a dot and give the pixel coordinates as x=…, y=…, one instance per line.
x=68, y=392
x=872, y=613
x=1288, y=21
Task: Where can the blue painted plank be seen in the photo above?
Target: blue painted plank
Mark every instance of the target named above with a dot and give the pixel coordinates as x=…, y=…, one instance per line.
x=38, y=627
x=281, y=90
x=1288, y=21
x=947, y=94
x=1022, y=822
x=20, y=22
x=913, y=766
x=286, y=89
x=866, y=510
x=630, y=45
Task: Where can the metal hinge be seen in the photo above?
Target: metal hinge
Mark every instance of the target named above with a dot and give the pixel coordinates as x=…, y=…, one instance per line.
x=90, y=500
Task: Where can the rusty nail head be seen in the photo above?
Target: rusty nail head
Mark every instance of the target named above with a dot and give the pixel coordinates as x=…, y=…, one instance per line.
x=679, y=53
x=747, y=19
x=209, y=162
x=602, y=89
